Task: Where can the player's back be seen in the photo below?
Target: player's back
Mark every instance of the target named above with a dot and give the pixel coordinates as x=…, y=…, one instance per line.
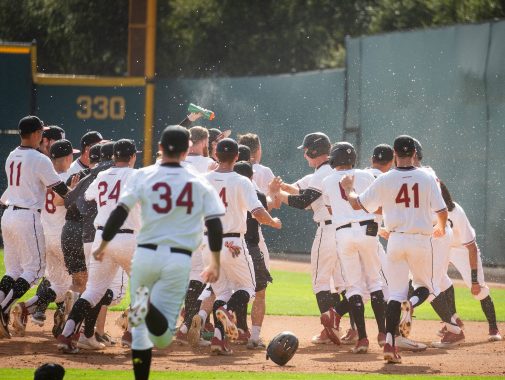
x=29, y=173
x=334, y=196
x=463, y=232
x=200, y=163
x=52, y=216
x=263, y=175
x=174, y=203
x=238, y=195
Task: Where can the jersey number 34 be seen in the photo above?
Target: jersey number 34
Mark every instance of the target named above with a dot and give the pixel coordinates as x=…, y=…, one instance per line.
x=185, y=198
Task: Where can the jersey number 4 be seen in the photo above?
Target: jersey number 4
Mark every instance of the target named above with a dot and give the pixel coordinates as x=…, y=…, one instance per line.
x=185, y=198
x=114, y=194
x=403, y=195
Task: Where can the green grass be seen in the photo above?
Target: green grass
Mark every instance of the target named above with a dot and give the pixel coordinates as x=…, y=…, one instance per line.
x=88, y=374
x=291, y=294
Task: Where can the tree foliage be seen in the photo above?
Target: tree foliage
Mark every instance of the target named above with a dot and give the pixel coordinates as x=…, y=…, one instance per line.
x=221, y=37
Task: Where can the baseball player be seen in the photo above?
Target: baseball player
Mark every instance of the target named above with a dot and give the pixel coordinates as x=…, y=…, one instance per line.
x=87, y=141
x=236, y=284
x=51, y=134
x=105, y=190
x=198, y=153
x=29, y=174
x=357, y=244
x=323, y=257
x=465, y=256
x=407, y=196
x=59, y=281
x=174, y=206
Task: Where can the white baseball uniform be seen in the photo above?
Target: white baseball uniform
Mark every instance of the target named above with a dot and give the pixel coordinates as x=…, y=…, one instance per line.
x=324, y=261
x=464, y=235
x=53, y=218
x=29, y=174
x=238, y=196
x=76, y=167
x=200, y=163
x=174, y=204
x=106, y=190
x=408, y=196
x=356, y=249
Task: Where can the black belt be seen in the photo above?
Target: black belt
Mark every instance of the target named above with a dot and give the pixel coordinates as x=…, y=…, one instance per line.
x=363, y=223
x=126, y=231
x=326, y=223
x=231, y=234
x=154, y=247
x=24, y=208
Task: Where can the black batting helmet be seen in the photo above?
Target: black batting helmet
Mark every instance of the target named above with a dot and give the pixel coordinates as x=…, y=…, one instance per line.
x=317, y=144
x=419, y=149
x=342, y=153
x=282, y=348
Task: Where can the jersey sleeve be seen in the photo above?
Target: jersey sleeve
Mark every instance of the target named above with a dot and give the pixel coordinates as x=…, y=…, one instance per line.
x=46, y=172
x=249, y=196
x=303, y=183
x=132, y=191
x=437, y=201
x=370, y=199
x=316, y=183
x=465, y=229
x=213, y=207
x=326, y=197
x=92, y=191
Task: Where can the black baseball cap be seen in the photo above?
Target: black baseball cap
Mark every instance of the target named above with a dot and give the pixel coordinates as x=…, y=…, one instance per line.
x=90, y=138
x=62, y=148
x=404, y=146
x=125, y=148
x=49, y=371
x=419, y=149
x=106, y=151
x=244, y=153
x=175, y=139
x=227, y=145
x=244, y=168
x=94, y=153
x=382, y=153
x=214, y=133
x=30, y=124
x=53, y=132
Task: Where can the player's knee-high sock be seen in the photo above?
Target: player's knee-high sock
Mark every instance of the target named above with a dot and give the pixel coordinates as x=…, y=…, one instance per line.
x=217, y=323
x=419, y=296
x=20, y=287
x=238, y=304
x=335, y=297
x=324, y=301
x=489, y=311
x=411, y=290
x=45, y=297
x=156, y=322
x=451, y=299
x=76, y=316
x=343, y=307
x=439, y=304
x=191, y=302
x=141, y=360
x=393, y=311
x=92, y=315
x=358, y=311
x=351, y=321
x=6, y=285
x=379, y=309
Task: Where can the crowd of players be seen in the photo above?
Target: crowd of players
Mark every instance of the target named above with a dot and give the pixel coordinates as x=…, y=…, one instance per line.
x=67, y=228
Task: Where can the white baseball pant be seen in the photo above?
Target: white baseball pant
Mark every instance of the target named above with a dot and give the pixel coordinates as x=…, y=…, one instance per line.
x=459, y=257
x=56, y=272
x=324, y=261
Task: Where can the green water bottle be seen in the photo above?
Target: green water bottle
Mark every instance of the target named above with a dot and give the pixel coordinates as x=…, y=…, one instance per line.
x=205, y=112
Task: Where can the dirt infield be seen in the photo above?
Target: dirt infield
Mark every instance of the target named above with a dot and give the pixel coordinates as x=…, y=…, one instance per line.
x=475, y=357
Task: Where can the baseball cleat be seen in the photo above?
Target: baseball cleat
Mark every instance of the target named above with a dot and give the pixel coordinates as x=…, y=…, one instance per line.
x=126, y=339
x=331, y=322
x=59, y=322
x=194, y=332
x=106, y=339
x=391, y=354
x=443, y=330
x=66, y=345
x=19, y=319
x=181, y=338
x=406, y=318
x=350, y=337
x=243, y=337
x=140, y=307
x=361, y=346
x=322, y=338
x=494, y=335
x=253, y=344
x=89, y=343
x=406, y=344
x=122, y=320
x=220, y=347
x=38, y=318
x=450, y=340
x=381, y=339
x=4, y=326
x=228, y=321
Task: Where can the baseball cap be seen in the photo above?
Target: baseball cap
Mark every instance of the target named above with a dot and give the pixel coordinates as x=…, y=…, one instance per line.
x=125, y=148
x=175, y=139
x=90, y=138
x=244, y=168
x=314, y=140
x=49, y=371
x=94, y=153
x=30, y=124
x=419, y=149
x=214, y=133
x=382, y=153
x=106, y=151
x=244, y=153
x=53, y=132
x=227, y=145
x=404, y=145
x=62, y=148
